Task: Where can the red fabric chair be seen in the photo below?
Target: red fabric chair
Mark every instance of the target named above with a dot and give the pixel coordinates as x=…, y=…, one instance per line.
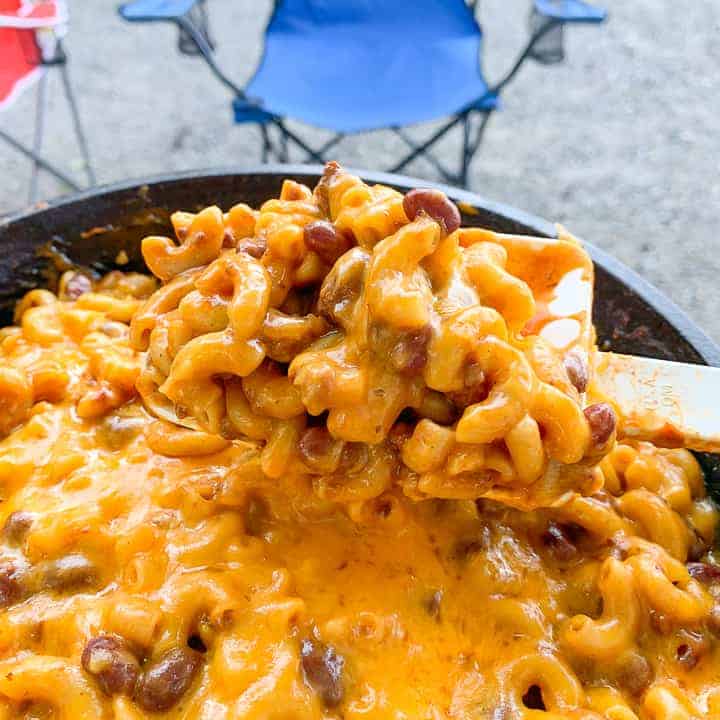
x=31, y=45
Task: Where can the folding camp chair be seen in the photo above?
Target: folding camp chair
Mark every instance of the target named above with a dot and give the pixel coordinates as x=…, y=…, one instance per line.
x=357, y=65
x=30, y=45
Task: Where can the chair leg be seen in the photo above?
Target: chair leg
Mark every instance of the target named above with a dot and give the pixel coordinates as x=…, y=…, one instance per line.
x=465, y=157
x=471, y=145
x=77, y=124
x=421, y=149
x=289, y=135
x=329, y=145
x=284, y=150
x=44, y=164
x=480, y=133
x=445, y=174
x=265, y=143
x=38, y=136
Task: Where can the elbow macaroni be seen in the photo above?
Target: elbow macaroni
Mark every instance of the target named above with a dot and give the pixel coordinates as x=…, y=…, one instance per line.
x=277, y=485
x=405, y=319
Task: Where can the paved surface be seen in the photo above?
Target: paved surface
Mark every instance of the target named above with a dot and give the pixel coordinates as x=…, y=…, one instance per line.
x=620, y=143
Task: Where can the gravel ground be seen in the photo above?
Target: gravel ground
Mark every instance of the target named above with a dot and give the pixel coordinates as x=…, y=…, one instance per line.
x=620, y=143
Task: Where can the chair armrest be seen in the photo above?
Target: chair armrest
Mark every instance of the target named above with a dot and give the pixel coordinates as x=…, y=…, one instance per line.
x=570, y=11
x=179, y=12
x=151, y=10
x=41, y=15
x=552, y=15
x=13, y=21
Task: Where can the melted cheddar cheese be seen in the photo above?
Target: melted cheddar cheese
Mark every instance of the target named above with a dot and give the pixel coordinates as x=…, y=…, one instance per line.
x=153, y=567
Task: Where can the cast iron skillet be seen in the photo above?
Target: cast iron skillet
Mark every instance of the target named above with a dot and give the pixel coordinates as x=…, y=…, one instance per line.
x=90, y=229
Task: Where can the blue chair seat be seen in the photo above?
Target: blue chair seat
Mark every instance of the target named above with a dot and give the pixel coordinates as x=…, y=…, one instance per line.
x=350, y=69
x=360, y=65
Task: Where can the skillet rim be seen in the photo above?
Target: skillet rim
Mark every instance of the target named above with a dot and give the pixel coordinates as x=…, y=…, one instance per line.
x=708, y=350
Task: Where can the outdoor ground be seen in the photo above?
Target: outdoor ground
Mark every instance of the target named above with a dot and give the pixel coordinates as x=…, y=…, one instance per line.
x=620, y=143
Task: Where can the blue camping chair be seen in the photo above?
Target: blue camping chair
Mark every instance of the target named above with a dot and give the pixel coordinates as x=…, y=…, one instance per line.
x=351, y=66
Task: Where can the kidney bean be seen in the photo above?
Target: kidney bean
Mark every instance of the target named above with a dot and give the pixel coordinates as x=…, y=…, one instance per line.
x=433, y=604
x=12, y=586
x=698, y=547
x=321, y=191
x=693, y=648
x=577, y=370
x=341, y=287
x=319, y=450
x=326, y=240
x=436, y=406
x=286, y=335
x=256, y=516
x=323, y=669
x=17, y=526
x=704, y=572
x=475, y=388
x=558, y=540
x=167, y=679
x=113, y=665
x=435, y=204
x=354, y=457
x=253, y=246
x=602, y=420
x=69, y=572
x=661, y=624
x=409, y=355
x=635, y=673
x=228, y=238
x=383, y=506
x=464, y=550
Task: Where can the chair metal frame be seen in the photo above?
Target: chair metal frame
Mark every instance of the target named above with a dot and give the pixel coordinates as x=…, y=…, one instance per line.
x=59, y=60
x=473, y=121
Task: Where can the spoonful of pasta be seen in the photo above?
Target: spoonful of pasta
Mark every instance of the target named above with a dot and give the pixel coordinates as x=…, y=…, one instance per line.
x=361, y=338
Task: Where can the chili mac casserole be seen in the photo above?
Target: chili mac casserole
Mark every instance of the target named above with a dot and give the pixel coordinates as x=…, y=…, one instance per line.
x=340, y=457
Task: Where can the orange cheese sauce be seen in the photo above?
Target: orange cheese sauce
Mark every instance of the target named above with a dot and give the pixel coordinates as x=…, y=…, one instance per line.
x=438, y=609
x=174, y=570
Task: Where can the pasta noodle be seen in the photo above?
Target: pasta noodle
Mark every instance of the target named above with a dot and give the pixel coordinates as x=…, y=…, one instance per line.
x=376, y=314
x=333, y=466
